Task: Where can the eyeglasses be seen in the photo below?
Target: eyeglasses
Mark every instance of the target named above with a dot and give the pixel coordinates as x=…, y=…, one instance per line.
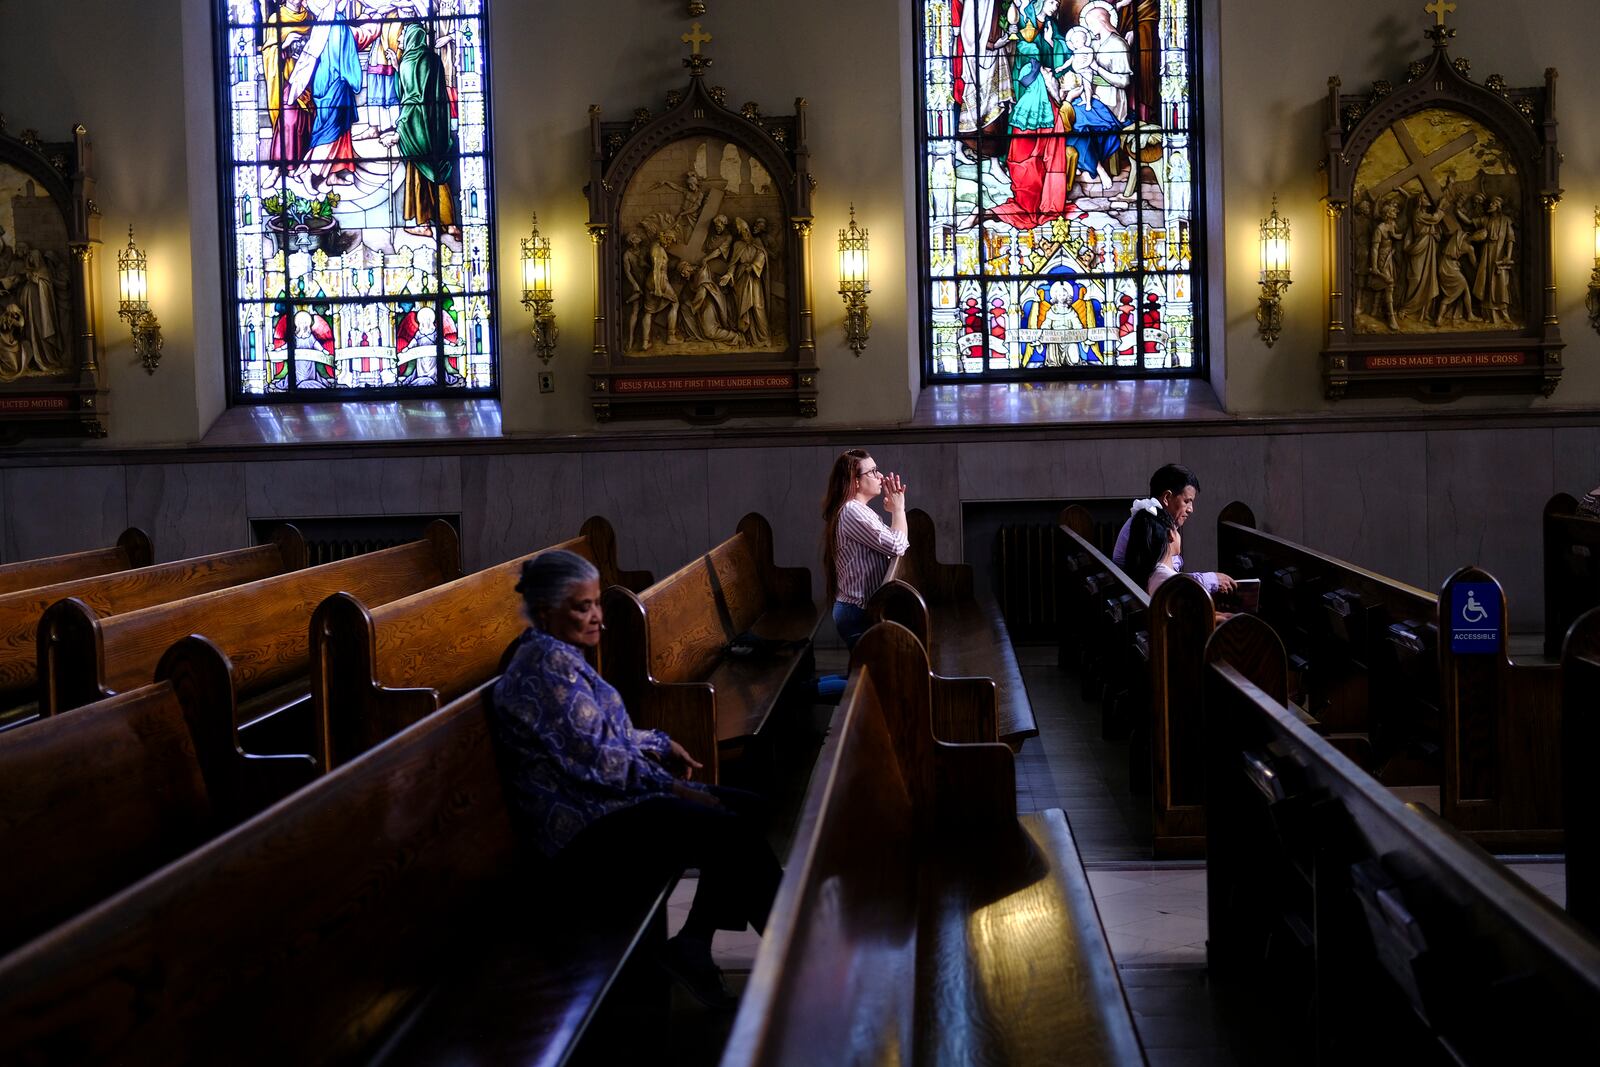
x=869, y=470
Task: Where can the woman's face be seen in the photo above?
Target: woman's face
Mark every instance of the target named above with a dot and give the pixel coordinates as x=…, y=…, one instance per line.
x=869, y=480
x=576, y=620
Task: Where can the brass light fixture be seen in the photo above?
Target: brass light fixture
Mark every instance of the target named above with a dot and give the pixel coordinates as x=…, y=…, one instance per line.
x=854, y=283
x=1594, y=277
x=538, y=296
x=1274, y=274
x=134, y=304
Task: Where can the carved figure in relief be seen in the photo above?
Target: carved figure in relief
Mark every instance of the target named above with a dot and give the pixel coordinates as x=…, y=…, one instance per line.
x=1455, y=294
x=746, y=274
x=659, y=296
x=1422, y=258
x=1361, y=248
x=694, y=197
x=33, y=285
x=1381, y=262
x=635, y=270
x=11, y=328
x=705, y=310
x=1496, y=262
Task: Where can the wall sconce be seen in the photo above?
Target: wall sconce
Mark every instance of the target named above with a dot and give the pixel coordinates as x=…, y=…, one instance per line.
x=134, y=305
x=1274, y=274
x=537, y=294
x=1594, y=277
x=854, y=283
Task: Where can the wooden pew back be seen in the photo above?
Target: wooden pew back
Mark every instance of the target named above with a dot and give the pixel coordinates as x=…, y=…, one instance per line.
x=888, y=934
x=96, y=801
x=1580, y=740
x=1361, y=645
x=1502, y=736
x=302, y=936
x=1322, y=884
x=262, y=626
x=1182, y=618
x=664, y=649
x=963, y=633
x=375, y=672
x=132, y=549
x=1571, y=568
x=129, y=590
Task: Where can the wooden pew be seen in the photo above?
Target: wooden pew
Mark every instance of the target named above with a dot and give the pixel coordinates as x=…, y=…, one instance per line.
x=1363, y=648
x=964, y=634
x=1580, y=740
x=1502, y=738
x=1571, y=568
x=1182, y=618
x=132, y=549
x=1333, y=902
x=130, y=590
x=376, y=671
x=666, y=649
x=95, y=801
x=942, y=929
x=1380, y=679
x=262, y=627
x=1111, y=628
x=382, y=913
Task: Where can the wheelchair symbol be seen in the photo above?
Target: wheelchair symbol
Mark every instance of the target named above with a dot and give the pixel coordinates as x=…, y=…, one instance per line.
x=1472, y=611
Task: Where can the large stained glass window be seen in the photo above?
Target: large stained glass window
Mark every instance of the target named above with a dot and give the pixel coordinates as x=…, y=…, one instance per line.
x=1059, y=156
x=357, y=197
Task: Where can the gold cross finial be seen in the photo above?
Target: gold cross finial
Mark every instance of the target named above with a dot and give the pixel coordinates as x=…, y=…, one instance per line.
x=1438, y=9
x=696, y=39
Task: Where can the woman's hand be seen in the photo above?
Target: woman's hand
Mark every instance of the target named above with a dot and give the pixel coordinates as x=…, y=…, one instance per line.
x=1225, y=584
x=679, y=756
x=894, y=493
x=684, y=791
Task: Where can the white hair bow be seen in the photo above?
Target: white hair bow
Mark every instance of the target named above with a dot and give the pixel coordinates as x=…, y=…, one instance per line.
x=1149, y=503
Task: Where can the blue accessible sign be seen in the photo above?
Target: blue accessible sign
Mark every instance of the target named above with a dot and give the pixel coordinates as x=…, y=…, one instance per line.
x=1475, y=617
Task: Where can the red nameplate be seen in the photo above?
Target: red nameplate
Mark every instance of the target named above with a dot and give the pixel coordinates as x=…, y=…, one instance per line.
x=1445, y=361
x=35, y=403
x=704, y=383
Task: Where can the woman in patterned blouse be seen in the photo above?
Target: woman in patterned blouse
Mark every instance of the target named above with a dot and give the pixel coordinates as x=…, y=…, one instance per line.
x=611, y=801
x=857, y=545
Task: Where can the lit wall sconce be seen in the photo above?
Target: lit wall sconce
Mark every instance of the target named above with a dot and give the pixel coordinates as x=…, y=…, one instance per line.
x=1274, y=274
x=1594, y=277
x=538, y=296
x=134, y=305
x=854, y=284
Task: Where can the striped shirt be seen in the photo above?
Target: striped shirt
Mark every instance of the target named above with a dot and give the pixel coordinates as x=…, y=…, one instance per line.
x=864, y=546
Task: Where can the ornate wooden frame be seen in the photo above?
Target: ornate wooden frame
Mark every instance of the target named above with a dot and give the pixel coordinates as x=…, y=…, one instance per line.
x=1443, y=365
x=72, y=402
x=701, y=388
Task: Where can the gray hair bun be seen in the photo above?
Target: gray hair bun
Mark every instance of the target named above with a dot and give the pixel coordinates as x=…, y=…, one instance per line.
x=548, y=578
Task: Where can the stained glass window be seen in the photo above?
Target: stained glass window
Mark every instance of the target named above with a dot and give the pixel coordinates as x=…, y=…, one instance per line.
x=1058, y=167
x=357, y=191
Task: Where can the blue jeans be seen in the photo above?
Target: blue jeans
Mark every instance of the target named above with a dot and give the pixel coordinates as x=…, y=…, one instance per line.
x=851, y=622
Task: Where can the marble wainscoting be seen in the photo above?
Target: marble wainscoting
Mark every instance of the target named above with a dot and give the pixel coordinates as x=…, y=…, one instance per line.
x=1412, y=504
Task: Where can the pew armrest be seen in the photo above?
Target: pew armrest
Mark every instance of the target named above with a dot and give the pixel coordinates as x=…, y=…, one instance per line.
x=687, y=712
x=265, y=780
x=975, y=786
x=965, y=710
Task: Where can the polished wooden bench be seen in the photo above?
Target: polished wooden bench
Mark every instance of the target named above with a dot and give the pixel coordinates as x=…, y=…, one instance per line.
x=132, y=549
x=920, y=919
x=1580, y=741
x=667, y=649
x=92, y=802
x=129, y=590
x=963, y=632
x=382, y=914
x=376, y=671
x=1332, y=901
x=1571, y=568
x=262, y=627
x=1111, y=623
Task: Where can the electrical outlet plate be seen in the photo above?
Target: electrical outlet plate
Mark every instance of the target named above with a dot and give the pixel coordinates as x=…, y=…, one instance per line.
x=547, y=381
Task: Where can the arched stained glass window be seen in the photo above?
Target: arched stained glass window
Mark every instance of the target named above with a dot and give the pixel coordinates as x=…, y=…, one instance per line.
x=1058, y=166
x=356, y=192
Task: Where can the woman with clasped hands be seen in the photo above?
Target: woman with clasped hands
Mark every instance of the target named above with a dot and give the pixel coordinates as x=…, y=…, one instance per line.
x=857, y=545
x=611, y=803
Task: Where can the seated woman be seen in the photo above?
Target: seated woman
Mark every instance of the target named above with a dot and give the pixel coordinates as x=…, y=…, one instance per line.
x=1153, y=542
x=612, y=803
